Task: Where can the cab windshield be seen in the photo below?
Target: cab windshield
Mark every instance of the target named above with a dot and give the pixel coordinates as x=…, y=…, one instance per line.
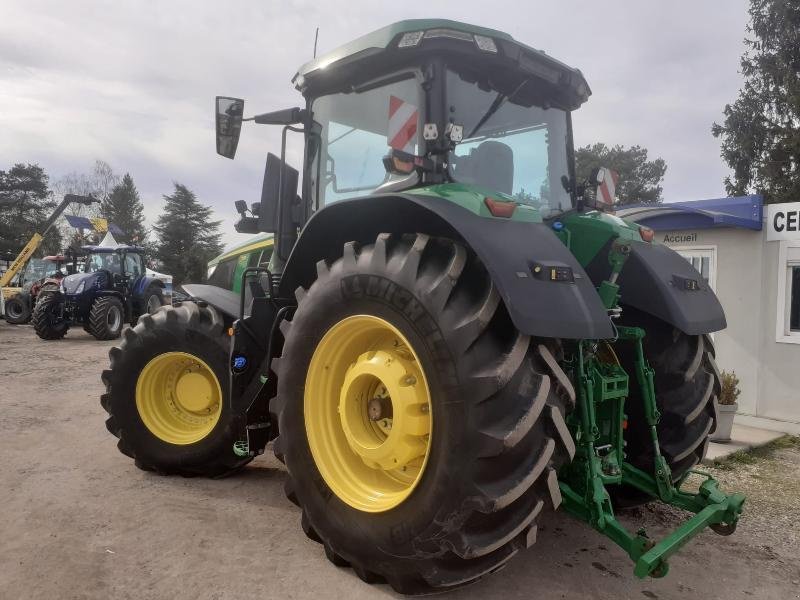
x=102, y=261
x=510, y=144
x=39, y=268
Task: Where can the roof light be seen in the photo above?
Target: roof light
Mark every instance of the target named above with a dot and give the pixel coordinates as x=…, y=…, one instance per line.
x=410, y=39
x=448, y=33
x=486, y=44
x=500, y=208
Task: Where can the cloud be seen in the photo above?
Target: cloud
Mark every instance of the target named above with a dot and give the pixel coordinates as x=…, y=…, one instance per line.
x=132, y=83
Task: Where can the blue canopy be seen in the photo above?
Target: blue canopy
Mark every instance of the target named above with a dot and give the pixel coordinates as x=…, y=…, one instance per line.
x=737, y=211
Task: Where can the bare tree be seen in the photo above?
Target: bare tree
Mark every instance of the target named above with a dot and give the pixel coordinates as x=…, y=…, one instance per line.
x=97, y=183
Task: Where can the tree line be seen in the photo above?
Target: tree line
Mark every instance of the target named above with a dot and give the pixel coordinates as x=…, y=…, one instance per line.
x=182, y=240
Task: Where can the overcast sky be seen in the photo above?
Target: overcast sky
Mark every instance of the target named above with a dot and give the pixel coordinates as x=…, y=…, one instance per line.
x=133, y=82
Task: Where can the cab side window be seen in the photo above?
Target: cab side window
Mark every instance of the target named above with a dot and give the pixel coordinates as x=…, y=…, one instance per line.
x=133, y=265
x=223, y=274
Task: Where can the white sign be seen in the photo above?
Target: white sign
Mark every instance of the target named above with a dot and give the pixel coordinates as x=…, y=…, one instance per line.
x=783, y=221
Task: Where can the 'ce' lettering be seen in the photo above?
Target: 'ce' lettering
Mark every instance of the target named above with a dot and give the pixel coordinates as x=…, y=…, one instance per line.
x=786, y=221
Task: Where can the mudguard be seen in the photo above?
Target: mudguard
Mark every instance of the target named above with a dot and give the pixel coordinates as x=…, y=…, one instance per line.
x=510, y=250
x=224, y=300
x=140, y=285
x=659, y=281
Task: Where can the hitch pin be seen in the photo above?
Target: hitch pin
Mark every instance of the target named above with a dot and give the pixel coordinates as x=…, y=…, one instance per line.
x=598, y=449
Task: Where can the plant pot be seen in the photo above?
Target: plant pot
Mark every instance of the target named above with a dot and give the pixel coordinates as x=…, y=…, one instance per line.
x=724, y=423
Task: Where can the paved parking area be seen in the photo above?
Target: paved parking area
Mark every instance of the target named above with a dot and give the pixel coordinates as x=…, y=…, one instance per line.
x=78, y=520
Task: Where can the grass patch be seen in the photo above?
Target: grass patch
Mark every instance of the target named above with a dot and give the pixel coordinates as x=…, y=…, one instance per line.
x=754, y=455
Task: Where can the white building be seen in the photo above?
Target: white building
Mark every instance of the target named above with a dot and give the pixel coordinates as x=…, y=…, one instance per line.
x=751, y=257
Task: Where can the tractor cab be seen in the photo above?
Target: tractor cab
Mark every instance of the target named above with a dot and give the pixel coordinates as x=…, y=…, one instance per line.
x=118, y=267
x=417, y=104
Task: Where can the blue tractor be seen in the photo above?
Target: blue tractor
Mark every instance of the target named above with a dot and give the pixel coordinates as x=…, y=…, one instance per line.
x=109, y=288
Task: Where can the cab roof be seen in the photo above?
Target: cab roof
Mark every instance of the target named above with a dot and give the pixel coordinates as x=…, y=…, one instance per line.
x=379, y=53
x=263, y=240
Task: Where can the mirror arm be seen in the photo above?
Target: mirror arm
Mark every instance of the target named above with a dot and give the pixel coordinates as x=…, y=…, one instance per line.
x=288, y=116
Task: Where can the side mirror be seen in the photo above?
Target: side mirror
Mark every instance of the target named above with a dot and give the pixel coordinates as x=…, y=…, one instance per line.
x=229, y=125
x=606, y=181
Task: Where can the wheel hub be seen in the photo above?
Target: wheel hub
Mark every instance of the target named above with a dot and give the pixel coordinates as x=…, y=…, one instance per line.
x=178, y=397
x=401, y=438
x=193, y=392
x=367, y=413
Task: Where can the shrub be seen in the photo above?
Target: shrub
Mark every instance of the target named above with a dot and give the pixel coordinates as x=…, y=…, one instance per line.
x=730, y=388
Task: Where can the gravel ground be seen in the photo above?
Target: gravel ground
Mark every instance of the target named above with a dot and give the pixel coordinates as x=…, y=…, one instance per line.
x=78, y=520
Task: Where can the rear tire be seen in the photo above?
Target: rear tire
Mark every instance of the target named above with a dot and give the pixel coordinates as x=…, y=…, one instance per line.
x=18, y=311
x=687, y=384
x=47, y=320
x=153, y=300
x=498, y=400
x=106, y=318
x=190, y=330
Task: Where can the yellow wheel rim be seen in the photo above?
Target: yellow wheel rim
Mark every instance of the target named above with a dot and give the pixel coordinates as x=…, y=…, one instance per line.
x=367, y=413
x=179, y=398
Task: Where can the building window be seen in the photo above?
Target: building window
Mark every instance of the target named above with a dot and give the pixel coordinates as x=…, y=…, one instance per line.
x=794, y=300
x=703, y=259
x=788, y=326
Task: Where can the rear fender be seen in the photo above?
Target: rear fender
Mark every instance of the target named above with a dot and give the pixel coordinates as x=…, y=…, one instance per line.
x=508, y=249
x=658, y=281
x=141, y=285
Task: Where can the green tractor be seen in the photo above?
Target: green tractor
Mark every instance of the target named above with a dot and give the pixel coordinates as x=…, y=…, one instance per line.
x=452, y=337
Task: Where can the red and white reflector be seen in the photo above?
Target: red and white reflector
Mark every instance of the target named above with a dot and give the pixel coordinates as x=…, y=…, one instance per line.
x=403, y=123
x=607, y=186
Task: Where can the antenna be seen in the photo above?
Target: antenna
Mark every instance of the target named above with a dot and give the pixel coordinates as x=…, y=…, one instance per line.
x=316, y=37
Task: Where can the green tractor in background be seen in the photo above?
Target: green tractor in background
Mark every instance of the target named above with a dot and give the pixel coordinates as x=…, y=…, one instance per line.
x=452, y=337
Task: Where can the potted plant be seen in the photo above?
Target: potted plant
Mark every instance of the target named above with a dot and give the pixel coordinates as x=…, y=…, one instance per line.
x=727, y=406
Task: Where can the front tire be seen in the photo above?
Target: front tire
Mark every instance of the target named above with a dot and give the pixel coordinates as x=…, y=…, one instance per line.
x=48, y=320
x=106, y=318
x=496, y=435
x=167, y=394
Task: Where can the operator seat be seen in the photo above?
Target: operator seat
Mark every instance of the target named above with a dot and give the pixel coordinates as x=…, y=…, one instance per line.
x=490, y=165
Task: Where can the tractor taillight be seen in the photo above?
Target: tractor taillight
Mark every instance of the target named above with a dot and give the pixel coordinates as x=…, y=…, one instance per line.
x=646, y=233
x=500, y=208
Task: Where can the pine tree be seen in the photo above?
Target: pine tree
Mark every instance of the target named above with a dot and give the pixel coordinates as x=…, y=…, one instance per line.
x=639, y=178
x=25, y=205
x=188, y=238
x=761, y=132
x=124, y=209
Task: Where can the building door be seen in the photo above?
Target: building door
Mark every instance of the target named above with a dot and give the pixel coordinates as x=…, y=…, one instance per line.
x=704, y=260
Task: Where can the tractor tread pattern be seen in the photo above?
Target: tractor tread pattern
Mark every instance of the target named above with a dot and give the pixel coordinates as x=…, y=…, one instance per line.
x=687, y=383
x=41, y=318
x=204, y=319
x=521, y=397
x=98, y=318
